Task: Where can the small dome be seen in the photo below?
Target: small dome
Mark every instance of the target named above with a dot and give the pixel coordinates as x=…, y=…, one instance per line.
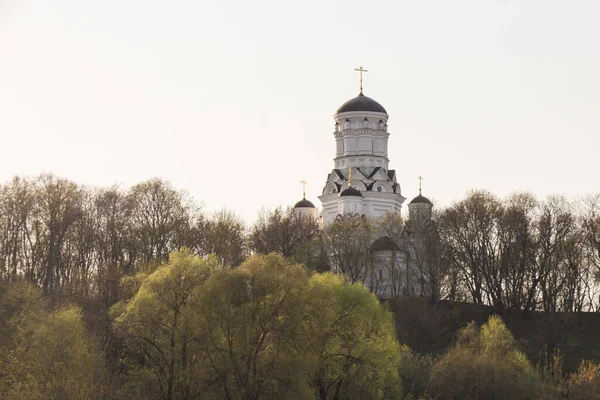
x=361, y=103
x=420, y=199
x=350, y=191
x=384, y=243
x=304, y=204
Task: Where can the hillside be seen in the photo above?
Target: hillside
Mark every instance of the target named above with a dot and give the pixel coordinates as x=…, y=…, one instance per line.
x=431, y=329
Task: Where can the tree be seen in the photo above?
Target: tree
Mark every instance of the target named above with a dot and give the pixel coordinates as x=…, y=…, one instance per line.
x=16, y=206
x=224, y=236
x=585, y=382
x=484, y=364
x=281, y=231
x=390, y=271
x=157, y=324
x=160, y=220
x=54, y=359
x=351, y=341
x=349, y=241
x=517, y=251
x=429, y=267
x=556, y=227
x=469, y=231
x=249, y=320
x=268, y=330
x=113, y=243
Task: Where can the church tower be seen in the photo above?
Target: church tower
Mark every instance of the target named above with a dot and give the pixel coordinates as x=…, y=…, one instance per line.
x=361, y=181
x=420, y=208
x=305, y=208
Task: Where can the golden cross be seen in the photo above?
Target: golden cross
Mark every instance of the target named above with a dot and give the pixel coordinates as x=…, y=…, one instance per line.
x=420, y=178
x=303, y=182
x=361, y=70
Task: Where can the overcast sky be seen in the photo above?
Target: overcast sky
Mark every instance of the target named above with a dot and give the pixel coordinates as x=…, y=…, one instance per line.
x=233, y=100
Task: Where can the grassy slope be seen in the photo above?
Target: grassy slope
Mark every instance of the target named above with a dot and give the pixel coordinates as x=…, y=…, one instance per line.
x=430, y=330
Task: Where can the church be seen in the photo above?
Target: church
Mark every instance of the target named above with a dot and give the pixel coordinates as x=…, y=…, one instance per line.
x=362, y=184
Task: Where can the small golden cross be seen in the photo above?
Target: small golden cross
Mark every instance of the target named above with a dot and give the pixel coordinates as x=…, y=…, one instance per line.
x=303, y=182
x=361, y=70
x=420, y=178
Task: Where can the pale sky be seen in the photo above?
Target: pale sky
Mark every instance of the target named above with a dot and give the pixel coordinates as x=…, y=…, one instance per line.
x=233, y=100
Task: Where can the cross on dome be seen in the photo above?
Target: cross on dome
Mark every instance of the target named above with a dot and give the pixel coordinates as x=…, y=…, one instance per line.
x=361, y=70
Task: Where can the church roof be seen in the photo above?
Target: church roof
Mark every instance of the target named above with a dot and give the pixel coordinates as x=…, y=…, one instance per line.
x=361, y=103
x=420, y=199
x=350, y=191
x=304, y=203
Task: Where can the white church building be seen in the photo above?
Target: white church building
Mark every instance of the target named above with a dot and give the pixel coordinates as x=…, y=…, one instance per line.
x=362, y=183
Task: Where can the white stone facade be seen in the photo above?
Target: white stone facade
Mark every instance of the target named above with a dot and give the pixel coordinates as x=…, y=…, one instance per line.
x=361, y=143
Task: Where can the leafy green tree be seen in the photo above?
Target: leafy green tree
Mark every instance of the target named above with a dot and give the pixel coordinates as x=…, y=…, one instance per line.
x=352, y=347
x=250, y=320
x=157, y=324
x=484, y=364
x=55, y=360
x=21, y=309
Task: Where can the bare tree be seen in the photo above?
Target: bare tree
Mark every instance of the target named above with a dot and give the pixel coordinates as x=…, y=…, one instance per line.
x=160, y=220
x=518, y=247
x=555, y=228
x=429, y=266
x=281, y=231
x=225, y=236
x=469, y=230
x=590, y=216
x=349, y=240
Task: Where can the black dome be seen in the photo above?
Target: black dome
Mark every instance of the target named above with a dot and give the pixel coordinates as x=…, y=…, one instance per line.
x=350, y=191
x=384, y=243
x=304, y=203
x=420, y=199
x=361, y=103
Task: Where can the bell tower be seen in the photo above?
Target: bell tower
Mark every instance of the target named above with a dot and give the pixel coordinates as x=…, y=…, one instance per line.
x=361, y=151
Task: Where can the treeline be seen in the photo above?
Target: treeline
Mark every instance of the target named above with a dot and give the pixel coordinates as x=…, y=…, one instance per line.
x=269, y=329
x=79, y=242
x=519, y=252
x=522, y=253
x=97, y=302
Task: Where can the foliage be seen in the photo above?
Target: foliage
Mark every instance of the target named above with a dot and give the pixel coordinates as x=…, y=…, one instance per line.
x=157, y=322
x=264, y=329
x=249, y=325
x=55, y=360
x=484, y=364
x=585, y=383
x=415, y=371
x=352, y=341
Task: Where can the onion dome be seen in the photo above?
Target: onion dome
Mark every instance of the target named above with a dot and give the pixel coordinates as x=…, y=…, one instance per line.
x=361, y=103
x=304, y=204
x=350, y=191
x=420, y=199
